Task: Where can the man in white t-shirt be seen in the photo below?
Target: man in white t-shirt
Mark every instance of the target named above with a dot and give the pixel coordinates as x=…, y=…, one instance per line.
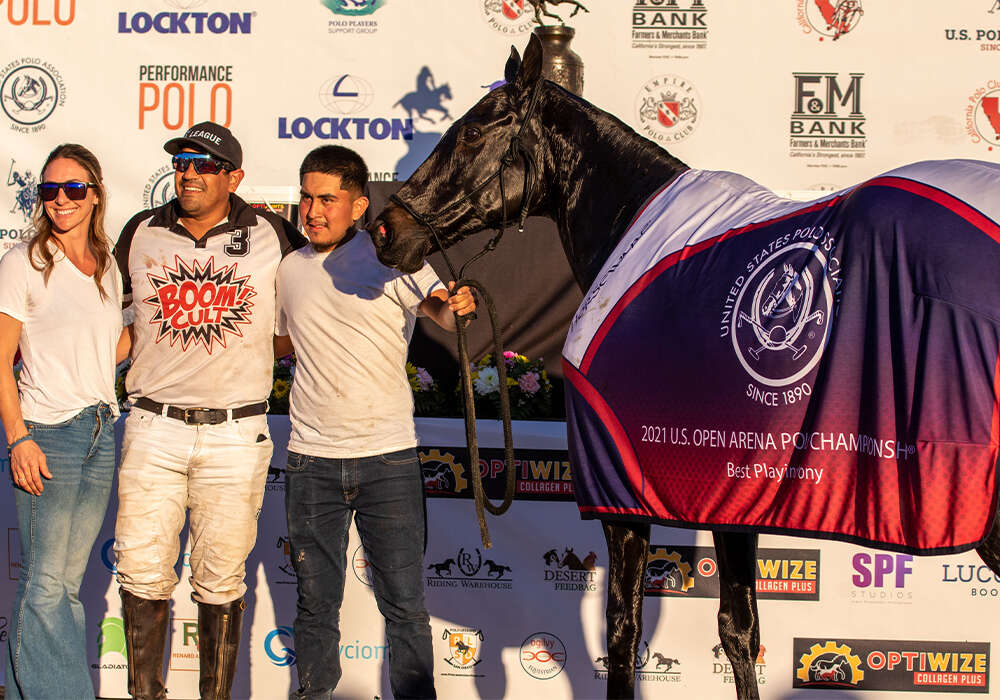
x=352, y=448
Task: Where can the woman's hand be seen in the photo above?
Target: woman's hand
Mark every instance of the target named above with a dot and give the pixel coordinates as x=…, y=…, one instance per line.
x=28, y=466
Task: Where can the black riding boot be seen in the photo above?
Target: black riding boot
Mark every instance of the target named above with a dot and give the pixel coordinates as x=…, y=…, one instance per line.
x=145, y=638
x=218, y=644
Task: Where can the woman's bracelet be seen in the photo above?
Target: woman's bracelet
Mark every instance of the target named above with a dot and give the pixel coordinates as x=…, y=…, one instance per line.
x=26, y=436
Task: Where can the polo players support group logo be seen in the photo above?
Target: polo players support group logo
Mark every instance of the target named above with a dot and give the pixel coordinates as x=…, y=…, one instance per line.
x=200, y=304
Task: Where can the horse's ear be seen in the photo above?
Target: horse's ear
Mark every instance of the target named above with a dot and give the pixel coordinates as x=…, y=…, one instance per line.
x=531, y=67
x=513, y=65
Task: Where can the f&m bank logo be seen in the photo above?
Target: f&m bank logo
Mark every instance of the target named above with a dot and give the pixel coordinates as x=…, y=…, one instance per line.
x=880, y=577
x=669, y=24
x=827, y=120
x=30, y=91
x=982, y=114
x=903, y=665
x=468, y=569
x=346, y=95
x=111, y=640
x=182, y=95
x=353, y=16
x=829, y=19
x=279, y=645
x=39, y=12
x=186, y=21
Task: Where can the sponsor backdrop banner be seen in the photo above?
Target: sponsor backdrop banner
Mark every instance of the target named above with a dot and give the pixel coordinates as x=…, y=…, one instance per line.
x=804, y=96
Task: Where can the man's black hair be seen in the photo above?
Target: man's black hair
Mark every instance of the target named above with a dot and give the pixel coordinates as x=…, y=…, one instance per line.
x=337, y=160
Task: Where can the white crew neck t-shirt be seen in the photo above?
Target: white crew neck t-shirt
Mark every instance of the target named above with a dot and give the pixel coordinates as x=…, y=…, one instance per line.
x=68, y=335
x=350, y=319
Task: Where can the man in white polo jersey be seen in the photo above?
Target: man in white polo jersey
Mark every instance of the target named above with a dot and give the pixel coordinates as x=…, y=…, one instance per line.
x=199, y=272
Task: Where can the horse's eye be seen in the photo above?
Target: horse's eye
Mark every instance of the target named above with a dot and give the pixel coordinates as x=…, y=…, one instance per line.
x=471, y=133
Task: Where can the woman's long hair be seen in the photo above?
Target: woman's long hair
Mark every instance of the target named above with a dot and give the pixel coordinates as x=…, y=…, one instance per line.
x=39, y=251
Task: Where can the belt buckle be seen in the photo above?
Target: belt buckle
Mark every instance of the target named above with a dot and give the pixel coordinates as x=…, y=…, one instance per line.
x=190, y=420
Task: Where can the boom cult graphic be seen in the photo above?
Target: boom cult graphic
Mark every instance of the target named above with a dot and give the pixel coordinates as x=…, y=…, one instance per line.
x=669, y=24
x=649, y=666
x=468, y=569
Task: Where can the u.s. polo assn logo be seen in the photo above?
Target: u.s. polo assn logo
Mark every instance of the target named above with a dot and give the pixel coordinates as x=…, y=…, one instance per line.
x=779, y=315
x=199, y=304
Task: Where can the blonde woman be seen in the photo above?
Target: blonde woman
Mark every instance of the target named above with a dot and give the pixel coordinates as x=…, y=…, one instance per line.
x=60, y=301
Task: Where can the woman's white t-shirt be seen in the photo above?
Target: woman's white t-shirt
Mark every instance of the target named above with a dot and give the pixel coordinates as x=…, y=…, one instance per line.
x=68, y=334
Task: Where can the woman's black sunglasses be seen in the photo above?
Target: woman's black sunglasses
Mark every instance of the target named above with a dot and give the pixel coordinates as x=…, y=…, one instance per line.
x=74, y=190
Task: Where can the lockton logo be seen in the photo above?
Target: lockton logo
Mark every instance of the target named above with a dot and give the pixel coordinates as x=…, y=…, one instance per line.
x=543, y=656
x=41, y=12
x=669, y=24
x=982, y=115
x=159, y=187
x=508, y=16
x=186, y=22
x=353, y=16
x=346, y=95
x=649, y=666
x=30, y=91
x=881, y=578
x=199, y=304
x=827, y=121
x=464, y=649
x=568, y=572
x=279, y=645
x=830, y=19
x=468, y=569
x=361, y=566
x=667, y=108
x=184, y=95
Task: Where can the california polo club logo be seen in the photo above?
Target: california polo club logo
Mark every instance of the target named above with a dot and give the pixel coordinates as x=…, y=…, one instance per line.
x=468, y=569
x=30, y=90
x=649, y=666
x=508, y=16
x=346, y=95
x=543, y=655
x=667, y=108
x=200, y=305
x=279, y=645
x=982, y=115
x=830, y=19
x=464, y=648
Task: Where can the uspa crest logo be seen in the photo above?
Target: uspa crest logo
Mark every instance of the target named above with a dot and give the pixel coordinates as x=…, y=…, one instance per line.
x=40, y=12
x=22, y=185
x=508, y=16
x=988, y=38
x=827, y=121
x=830, y=19
x=468, y=569
x=982, y=115
x=30, y=91
x=353, y=16
x=667, y=108
x=464, y=650
x=159, y=188
x=669, y=24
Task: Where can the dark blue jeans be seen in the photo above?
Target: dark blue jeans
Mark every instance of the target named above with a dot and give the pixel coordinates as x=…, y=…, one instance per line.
x=385, y=495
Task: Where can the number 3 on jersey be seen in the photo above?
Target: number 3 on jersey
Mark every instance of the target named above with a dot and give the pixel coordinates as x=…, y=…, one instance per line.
x=239, y=243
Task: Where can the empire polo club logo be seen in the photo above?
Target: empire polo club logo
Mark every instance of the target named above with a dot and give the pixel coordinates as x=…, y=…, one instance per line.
x=200, y=305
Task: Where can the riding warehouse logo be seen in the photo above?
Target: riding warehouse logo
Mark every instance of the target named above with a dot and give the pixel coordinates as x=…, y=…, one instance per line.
x=649, y=666
x=468, y=569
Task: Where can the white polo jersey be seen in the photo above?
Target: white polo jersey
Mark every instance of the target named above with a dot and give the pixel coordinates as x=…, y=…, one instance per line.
x=203, y=308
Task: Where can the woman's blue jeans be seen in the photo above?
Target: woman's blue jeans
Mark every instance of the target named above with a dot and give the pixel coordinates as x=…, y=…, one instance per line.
x=47, y=651
x=385, y=495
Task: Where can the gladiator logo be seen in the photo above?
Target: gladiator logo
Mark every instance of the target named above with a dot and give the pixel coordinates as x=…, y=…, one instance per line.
x=199, y=304
x=780, y=321
x=829, y=18
x=830, y=664
x=442, y=474
x=667, y=573
x=464, y=647
x=667, y=108
x=112, y=638
x=30, y=91
x=507, y=16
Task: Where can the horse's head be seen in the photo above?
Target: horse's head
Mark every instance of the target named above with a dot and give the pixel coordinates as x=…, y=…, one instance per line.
x=457, y=190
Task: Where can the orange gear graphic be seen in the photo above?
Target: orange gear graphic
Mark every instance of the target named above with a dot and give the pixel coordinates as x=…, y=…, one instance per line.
x=815, y=651
x=687, y=580
x=447, y=459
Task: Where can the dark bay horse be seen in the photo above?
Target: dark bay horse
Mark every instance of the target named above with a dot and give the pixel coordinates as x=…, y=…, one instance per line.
x=531, y=146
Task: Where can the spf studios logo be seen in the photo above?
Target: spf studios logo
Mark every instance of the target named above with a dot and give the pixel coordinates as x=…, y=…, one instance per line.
x=30, y=91
x=508, y=16
x=543, y=656
x=982, y=115
x=668, y=109
x=830, y=19
x=279, y=645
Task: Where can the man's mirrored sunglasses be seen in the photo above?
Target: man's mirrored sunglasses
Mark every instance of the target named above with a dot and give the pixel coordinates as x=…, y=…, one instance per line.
x=76, y=191
x=204, y=164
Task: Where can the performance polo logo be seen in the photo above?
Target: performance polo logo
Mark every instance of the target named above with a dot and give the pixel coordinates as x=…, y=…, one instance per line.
x=830, y=19
x=567, y=572
x=828, y=665
x=669, y=24
x=543, y=656
x=182, y=95
x=347, y=95
x=667, y=573
x=200, y=305
x=468, y=569
x=508, y=16
x=30, y=91
x=667, y=108
x=649, y=666
x=443, y=473
x=723, y=670
x=279, y=645
x=353, y=16
x=827, y=121
x=982, y=115
x=40, y=12
x=464, y=650
x=111, y=640
x=159, y=188
x=778, y=314
x=186, y=21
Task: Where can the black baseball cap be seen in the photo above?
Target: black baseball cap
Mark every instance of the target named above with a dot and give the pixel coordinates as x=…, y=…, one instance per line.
x=211, y=138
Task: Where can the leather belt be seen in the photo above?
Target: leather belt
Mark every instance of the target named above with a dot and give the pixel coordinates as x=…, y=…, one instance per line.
x=201, y=416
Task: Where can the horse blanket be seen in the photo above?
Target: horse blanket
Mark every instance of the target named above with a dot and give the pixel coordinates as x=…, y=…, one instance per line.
x=826, y=369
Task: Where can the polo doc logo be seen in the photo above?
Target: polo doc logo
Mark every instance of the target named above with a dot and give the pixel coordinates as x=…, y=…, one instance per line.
x=30, y=91
x=346, y=94
x=159, y=188
x=982, y=115
x=353, y=16
x=507, y=16
x=829, y=665
x=40, y=12
x=827, y=121
x=361, y=567
x=464, y=649
x=279, y=645
x=543, y=656
x=669, y=24
x=779, y=312
x=185, y=21
x=830, y=19
x=200, y=305
x=667, y=108
x=443, y=473
x=184, y=95
x=723, y=670
x=667, y=572
x=880, y=577
x=568, y=572
x=649, y=666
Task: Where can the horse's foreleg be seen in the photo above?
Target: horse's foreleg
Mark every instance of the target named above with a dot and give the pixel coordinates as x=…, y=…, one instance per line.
x=628, y=548
x=739, y=624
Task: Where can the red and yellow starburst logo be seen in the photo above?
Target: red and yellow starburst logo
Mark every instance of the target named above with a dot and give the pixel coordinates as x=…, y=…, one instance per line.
x=199, y=304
